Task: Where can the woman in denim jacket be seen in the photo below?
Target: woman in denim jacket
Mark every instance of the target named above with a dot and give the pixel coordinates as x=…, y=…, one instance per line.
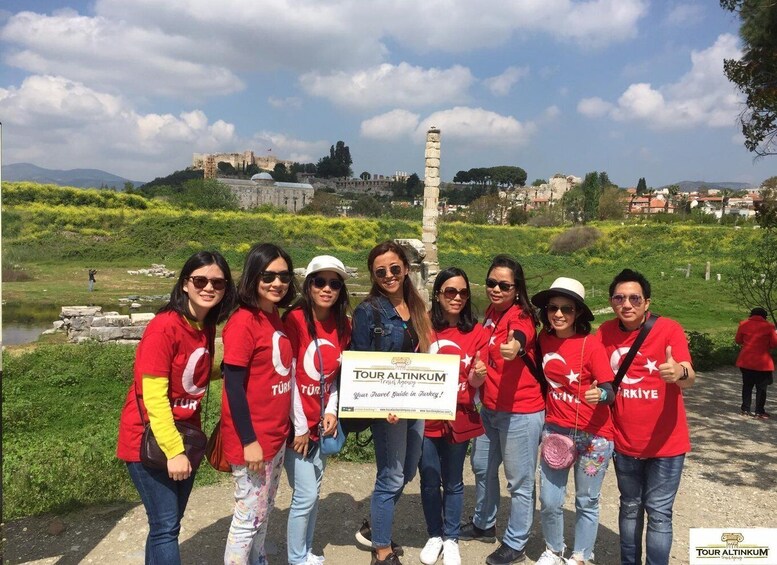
x=404, y=326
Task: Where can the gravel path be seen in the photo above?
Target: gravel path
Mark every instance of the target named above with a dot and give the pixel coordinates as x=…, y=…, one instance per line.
x=730, y=480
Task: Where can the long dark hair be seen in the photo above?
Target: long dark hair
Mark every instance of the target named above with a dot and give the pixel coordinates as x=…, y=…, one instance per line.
x=582, y=326
x=467, y=320
x=261, y=255
x=521, y=294
x=415, y=304
x=179, y=300
x=340, y=309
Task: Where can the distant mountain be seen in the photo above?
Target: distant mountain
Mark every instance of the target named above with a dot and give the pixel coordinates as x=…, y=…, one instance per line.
x=82, y=178
x=695, y=185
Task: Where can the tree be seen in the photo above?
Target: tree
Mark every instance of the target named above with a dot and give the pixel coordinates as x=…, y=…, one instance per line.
x=611, y=204
x=517, y=216
x=755, y=74
x=226, y=168
x=539, y=182
x=323, y=203
x=365, y=176
x=413, y=186
x=573, y=204
x=673, y=190
x=766, y=209
x=592, y=191
x=336, y=164
x=208, y=194
x=462, y=177
x=755, y=281
x=641, y=186
x=367, y=206
x=252, y=169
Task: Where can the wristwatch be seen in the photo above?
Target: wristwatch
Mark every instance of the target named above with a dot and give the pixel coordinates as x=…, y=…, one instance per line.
x=685, y=373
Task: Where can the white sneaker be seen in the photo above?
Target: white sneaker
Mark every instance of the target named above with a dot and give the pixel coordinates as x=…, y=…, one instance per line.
x=450, y=552
x=431, y=551
x=314, y=559
x=550, y=558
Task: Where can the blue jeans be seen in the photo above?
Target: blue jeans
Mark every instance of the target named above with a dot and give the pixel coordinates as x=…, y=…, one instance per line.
x=647, y=485
x=512, y=439
x=165, y=501
x=594, y=453
x=442, y=465
x=397, y=451
x=304, y=476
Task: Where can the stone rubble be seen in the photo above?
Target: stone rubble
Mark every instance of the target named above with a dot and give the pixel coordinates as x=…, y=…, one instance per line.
x=84, y=323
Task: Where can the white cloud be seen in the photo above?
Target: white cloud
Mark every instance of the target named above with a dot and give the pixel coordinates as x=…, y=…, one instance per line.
x=290, y=148
x=702, y=97
x=501, y=85
x=59, y=123
x=684, y=14
x=288, y=102
x=390, y=85
x=392, y=125
x=478, y=126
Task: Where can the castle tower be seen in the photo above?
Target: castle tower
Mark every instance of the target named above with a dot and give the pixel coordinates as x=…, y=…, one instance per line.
x=431, y=198
x=209, y=167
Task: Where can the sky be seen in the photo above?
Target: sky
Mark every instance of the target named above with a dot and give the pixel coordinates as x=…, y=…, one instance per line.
x=631, y=87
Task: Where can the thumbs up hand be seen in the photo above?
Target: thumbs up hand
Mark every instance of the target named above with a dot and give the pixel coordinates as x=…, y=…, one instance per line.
x=593, y=394
x=477, y=375
x=670, y=370
x=510, y=348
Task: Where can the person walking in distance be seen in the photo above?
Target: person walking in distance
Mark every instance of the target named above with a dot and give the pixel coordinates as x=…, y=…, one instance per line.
x=756, y=336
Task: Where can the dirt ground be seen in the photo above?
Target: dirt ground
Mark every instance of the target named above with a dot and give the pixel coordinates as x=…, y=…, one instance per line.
x=730, y=480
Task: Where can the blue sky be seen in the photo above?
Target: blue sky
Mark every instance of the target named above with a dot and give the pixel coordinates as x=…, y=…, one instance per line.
x=631, y=87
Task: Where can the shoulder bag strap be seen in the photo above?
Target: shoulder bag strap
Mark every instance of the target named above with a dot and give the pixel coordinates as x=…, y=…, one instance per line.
x=536, y=369
x=646, y=327
x=377, y=330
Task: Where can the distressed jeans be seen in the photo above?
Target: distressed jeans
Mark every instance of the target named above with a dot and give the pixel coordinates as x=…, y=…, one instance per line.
x=254, y=500
x=647, y=486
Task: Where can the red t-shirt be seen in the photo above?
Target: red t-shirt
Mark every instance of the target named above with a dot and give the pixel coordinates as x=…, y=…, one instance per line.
x=756, y=336
x=649, y=414
x=568, y=379
x=255, y=339
x=170, y=348
x=510, y=385
x=307, y=375
x=453, y=341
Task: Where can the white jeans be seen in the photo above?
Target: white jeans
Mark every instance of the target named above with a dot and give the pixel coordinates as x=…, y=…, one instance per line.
x=254, y=499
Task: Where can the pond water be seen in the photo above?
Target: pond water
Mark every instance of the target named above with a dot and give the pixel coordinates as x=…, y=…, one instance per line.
x=24, y=323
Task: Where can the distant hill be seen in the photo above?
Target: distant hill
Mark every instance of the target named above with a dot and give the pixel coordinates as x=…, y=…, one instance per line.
x=82, y=178
x=695, y=185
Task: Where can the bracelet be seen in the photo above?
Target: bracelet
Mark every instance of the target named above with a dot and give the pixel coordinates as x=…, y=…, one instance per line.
x=602, y=395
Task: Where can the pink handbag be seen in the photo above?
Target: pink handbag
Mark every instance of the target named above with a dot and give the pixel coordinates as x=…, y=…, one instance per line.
x=558, y=451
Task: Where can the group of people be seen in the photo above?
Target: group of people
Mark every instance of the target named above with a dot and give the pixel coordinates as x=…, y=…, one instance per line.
x=532, y=378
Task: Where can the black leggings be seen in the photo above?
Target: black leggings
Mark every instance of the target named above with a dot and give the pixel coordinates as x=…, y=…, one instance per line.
x=760, y=380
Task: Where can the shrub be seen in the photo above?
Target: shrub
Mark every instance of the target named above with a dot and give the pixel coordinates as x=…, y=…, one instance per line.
x=574, y=239
x=709, y=351
x=544, y=220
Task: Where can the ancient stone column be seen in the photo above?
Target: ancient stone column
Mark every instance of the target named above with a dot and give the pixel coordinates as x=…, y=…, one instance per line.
x=431, y=198
x=209, y=167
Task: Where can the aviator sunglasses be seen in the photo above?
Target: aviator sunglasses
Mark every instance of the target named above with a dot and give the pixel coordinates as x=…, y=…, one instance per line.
x=503, y=286
x=269, y=276
x=619, y=299
x=201, y=282
x=450, y=293
x=321, y=282
x=566, y=309
x=382, y=273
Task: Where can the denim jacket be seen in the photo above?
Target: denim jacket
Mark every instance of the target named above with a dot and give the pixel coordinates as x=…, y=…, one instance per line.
x=362, y=335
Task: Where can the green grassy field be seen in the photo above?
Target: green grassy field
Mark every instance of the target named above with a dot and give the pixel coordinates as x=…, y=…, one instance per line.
x=61, y=402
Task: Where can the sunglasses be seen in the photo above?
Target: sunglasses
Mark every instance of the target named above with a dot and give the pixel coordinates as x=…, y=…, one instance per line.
x=450, y=293
x=566, y=309
x=619, y=299
x=334, y=284
x=269, y=276
x=201, y=282
x=503, y=286
x=382, y=273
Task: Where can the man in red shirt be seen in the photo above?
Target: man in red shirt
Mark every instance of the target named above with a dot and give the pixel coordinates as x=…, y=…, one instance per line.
x=651, y=431
x=756, y=336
